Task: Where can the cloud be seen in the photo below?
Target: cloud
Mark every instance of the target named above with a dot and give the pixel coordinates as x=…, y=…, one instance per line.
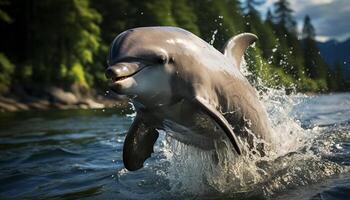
x=330, y=17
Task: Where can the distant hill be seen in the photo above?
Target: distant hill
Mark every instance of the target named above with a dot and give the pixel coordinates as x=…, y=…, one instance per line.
x=333, y=51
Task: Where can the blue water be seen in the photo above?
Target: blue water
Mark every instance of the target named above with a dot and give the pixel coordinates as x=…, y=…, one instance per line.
x=77, y=154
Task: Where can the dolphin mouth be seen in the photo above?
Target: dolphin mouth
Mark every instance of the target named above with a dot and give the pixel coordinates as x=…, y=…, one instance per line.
x=121, y=78
x=116, y=79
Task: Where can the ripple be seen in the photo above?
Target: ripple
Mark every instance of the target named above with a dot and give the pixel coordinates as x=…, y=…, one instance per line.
x=50, y=154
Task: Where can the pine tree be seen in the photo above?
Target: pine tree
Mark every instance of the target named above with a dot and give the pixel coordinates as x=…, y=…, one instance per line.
x=308, y=29
x=249, y=6
x=255, y=25
x=336, y=81
x=72, y=48
x=315, y=66
x=283, y=15
x=289, y=55
x=152, y=13
x=220, y=19
x=117, y=16
x=269, y=17
x=58, y=52
x=185, y=16
x=251, y=13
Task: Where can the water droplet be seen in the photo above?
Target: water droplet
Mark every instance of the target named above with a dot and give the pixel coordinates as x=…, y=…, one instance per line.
x=213, y=37
x=338, y=146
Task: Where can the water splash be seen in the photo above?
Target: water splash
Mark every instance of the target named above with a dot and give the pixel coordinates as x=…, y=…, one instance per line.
x=298, y=159
x=301, y=155
x=213, y=37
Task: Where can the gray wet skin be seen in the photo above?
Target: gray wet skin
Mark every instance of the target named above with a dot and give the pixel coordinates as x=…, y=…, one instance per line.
x=181, y=84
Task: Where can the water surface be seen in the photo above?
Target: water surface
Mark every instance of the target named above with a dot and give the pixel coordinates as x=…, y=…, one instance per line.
x=74, y=154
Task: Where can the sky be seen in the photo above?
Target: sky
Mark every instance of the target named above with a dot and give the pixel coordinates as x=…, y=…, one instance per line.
x=331, y=18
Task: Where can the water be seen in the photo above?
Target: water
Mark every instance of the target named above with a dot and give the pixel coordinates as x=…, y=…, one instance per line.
x=78, y=154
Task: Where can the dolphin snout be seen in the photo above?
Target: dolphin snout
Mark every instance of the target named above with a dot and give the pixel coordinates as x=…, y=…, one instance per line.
x=121, y=70
x=113, y=72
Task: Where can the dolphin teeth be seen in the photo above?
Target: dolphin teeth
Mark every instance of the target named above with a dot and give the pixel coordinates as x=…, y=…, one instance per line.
x=119, y=78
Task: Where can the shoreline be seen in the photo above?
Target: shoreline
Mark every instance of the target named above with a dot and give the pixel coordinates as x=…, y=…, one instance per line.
x=57, y=98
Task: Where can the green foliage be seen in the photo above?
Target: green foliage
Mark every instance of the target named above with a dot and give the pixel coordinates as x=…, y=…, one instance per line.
x=153, y=13
x=6, y=70
x=3, y=15
x=336, y=80
x=115, y=15
x=64, y=33
x=77, y=75
x=65, y=42
x=271, y=76
x=185, y=16
x=267, y=39
x=315, y=66
x=283, y=79
x=215, y=19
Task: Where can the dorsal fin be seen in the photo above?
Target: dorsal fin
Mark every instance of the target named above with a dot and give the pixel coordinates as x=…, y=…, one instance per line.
x=236, y=46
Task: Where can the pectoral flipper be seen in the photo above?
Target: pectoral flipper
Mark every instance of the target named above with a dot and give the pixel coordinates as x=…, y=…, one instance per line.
x=138, y=144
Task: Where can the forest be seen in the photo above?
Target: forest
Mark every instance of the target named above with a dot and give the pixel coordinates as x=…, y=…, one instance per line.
x=64, y=43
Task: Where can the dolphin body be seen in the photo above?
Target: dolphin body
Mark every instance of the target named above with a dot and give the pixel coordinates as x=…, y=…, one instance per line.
x=179, y=83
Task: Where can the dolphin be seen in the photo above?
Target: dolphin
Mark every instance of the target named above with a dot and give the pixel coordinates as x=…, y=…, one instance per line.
x=179, y=83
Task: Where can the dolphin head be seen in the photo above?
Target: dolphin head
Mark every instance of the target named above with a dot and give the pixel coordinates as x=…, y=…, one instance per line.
x=140, y=67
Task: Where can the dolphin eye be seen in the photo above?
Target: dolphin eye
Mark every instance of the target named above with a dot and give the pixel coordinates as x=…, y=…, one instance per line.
x=162, y=59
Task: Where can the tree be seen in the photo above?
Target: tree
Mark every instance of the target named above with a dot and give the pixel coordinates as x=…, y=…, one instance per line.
x=117, y=16
x=60, y=51
x=220, y=19
x=61, y=42
x=267, y=40
x=315, y=66
x=289, y=54
x=251, y=14
x=152, y=13
x=249, y=6
x=269, y=17
x=335, y=79
x=6, y=67
x=308, y=29
x=184, y=16
x=6, y=71
x=283, y=15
